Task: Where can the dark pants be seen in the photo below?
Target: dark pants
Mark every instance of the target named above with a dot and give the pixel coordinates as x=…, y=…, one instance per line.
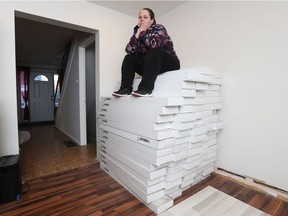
x=156, y=61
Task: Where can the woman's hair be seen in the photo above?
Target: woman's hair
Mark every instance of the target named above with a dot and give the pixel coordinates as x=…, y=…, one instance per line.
x=151, y=13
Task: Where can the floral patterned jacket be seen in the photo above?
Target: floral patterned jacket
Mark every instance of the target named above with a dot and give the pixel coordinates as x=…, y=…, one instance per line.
x=154, y=37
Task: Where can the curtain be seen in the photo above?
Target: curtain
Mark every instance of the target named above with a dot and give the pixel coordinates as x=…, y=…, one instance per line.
x=23, y=78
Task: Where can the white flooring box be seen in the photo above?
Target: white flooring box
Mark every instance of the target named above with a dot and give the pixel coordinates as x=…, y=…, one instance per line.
x=149, y=133
x=147, y=113
x=159, y=146
x=139, y=122
x=145, y=169
x=202, y=75
x=161, y=204
x=150, y=155
x=137, y=138
x=128, y=180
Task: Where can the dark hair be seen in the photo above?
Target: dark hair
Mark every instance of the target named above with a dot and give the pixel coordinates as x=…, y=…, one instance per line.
x=151, y=14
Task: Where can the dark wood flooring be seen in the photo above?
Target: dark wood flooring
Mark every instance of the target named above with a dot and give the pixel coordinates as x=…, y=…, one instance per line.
x=90, y=191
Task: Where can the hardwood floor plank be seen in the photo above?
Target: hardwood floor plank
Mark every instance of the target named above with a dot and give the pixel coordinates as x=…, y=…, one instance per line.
x=125, y=206
x=260, y=201
x=282, y=210
x=45, y=153
x=272, y=206
x=91, y=191
x=243, y=194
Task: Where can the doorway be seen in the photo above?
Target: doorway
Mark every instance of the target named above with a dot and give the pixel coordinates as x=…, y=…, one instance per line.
x=49, y=66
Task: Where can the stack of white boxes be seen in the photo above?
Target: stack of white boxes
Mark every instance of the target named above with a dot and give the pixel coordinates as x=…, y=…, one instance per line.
x=157, y=147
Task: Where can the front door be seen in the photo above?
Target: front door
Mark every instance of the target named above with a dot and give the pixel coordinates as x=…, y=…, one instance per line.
x=41, y=97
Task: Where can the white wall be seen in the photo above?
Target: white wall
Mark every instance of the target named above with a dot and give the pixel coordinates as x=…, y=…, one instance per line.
x=68, y=113
x=8, y=101
x=113, y=36
x=247, y=43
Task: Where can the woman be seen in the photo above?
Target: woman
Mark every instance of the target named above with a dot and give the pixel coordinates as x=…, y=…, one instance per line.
x=149, y=52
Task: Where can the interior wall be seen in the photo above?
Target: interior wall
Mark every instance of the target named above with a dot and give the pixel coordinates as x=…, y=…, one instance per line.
x=68, y=112
x=247, y=43
x=112, y=40
x=8, y=99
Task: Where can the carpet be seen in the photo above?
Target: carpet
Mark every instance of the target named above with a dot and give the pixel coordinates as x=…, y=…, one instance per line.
x=24, y=136
x=70, y=143
x=212, y=202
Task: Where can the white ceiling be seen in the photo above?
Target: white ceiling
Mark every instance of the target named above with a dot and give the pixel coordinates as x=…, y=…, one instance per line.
x=134, y=6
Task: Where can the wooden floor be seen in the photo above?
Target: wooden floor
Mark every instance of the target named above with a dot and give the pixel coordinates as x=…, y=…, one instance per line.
x=45, y=153
x=88, y=190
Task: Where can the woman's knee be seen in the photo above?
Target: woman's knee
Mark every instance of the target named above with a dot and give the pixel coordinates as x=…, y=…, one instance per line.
x=128, y=58
x=132, y=59
x=154, y=53
x=154, y=57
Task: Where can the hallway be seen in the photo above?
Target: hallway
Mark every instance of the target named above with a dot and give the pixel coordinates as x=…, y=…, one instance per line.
x=45, y=153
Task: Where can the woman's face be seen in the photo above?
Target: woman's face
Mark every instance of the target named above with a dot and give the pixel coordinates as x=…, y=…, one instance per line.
x=145, y=20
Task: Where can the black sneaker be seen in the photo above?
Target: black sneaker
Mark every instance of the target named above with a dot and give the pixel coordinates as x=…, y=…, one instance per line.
x=142, y=93
x=122, y=92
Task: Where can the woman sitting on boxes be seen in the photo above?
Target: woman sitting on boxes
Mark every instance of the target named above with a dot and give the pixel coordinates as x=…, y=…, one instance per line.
x=149, y=52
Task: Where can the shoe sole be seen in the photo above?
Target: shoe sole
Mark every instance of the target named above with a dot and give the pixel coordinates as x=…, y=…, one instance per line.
x=118, y=95
x=140, y=95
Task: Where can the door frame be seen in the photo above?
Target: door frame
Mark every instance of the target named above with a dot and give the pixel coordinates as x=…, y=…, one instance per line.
x=81, y=49
x=82, y=86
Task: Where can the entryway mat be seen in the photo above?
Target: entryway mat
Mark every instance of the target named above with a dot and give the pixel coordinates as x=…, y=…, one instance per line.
x=70, y=143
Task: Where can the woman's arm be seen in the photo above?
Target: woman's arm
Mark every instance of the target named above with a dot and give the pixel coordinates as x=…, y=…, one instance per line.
x=135, y=44
x=157, y=38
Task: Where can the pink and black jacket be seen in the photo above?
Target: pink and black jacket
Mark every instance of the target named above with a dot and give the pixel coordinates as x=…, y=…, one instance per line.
x=154, y=37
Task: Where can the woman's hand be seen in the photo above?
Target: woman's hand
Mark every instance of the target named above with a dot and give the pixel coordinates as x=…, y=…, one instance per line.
x=139, y=30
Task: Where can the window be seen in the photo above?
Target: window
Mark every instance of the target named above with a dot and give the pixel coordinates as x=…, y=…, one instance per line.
x=41, y=78
x=56, y=90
